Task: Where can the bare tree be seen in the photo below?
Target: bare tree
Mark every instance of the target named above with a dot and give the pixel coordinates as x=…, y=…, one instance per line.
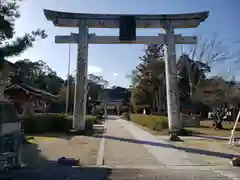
x=215, y=92
x=220, y=94
x=205, y=55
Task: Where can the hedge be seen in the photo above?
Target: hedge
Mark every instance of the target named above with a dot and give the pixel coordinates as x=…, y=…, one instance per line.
x=51, y=123
x=152, y=122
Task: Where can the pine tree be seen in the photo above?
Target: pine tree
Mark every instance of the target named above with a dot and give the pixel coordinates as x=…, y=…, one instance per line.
x=10, y=45
x=151, y=77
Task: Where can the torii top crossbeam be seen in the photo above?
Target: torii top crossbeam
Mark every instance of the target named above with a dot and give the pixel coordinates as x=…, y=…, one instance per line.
x=66, y=19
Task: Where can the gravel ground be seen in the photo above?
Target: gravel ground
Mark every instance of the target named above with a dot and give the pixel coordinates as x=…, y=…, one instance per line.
x=118, y=152
x=208, y=145
x=43, y=152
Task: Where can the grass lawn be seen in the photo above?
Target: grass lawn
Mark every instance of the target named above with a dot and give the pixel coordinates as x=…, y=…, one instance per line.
x=34, y=139
x=152, y=123
x=159, y=125
x=205, y=128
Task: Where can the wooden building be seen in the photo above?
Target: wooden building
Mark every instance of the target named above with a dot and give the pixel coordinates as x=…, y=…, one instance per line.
x=28, y=99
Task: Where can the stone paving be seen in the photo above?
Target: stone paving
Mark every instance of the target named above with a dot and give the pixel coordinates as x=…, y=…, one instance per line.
x=164, y=174
x=162, y=151
x=120, y=152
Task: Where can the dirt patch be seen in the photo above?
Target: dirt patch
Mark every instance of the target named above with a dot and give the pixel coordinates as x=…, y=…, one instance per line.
x=44, y=151
x=211, y=145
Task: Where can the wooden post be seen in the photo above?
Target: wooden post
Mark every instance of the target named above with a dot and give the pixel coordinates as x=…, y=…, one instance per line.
x=231, y=140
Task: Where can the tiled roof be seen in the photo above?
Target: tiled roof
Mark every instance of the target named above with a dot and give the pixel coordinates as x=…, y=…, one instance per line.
x=32, y=90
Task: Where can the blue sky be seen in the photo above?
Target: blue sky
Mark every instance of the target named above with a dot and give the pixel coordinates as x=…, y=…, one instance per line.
x=113, y=62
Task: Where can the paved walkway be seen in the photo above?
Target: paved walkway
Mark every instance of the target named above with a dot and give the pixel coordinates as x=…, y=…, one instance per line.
x=118, y=150
x=128, y=145
x=164, y=152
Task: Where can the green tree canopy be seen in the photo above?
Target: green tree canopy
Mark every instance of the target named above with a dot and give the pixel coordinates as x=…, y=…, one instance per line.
x=10, y=45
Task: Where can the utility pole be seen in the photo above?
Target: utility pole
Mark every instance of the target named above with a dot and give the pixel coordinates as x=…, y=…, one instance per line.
x=68, y=80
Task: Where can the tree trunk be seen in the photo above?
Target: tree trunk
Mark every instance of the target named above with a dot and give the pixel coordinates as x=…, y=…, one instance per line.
x=158, y=104
x=165, y=107
x=159, y=101
x=218, y=124
x=154, y=105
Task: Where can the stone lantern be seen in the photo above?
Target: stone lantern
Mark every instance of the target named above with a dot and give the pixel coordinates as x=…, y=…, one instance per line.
x=11, y=137
x=7, y=70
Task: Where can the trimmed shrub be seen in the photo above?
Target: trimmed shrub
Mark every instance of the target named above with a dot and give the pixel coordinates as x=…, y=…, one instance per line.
x=60, y=123
x=152, y=122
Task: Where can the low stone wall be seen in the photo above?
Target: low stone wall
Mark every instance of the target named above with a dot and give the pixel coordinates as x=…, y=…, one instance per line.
x=190, y=121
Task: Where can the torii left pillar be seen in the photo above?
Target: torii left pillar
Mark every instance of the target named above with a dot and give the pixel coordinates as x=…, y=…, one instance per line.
x=80, y=95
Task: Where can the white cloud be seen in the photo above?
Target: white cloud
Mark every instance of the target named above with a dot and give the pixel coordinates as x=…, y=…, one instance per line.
x=94, y=69
x=115, y=74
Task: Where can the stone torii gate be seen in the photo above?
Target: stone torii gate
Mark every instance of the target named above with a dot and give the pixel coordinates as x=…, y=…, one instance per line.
x=127, y=25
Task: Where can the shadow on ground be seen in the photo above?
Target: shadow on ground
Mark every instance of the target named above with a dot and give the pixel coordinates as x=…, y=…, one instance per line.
x=215, y=137
x=165, y=145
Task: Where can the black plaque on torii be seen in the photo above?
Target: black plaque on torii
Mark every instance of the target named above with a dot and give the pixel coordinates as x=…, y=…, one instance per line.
x=127, y=28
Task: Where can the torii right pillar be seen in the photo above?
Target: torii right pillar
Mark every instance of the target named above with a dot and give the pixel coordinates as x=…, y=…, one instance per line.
x=172, y=92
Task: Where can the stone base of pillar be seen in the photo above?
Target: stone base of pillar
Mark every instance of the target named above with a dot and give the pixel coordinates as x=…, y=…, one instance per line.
x=78, y=126
x=78, y=122
x=181, y=132
x=235, y=161
x=175, y=133
x=78, y=132
x=174, y=137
